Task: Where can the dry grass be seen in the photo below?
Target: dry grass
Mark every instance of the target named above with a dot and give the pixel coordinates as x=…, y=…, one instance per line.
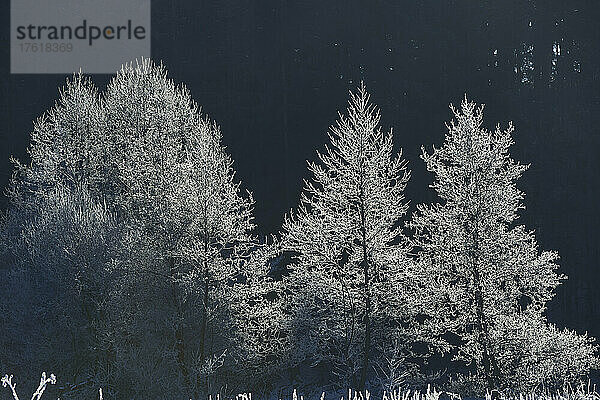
x=582, y=392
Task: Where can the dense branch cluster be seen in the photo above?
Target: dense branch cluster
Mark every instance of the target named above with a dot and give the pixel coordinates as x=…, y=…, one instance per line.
x=351, y=249
x=484, y=277
x=130, y=262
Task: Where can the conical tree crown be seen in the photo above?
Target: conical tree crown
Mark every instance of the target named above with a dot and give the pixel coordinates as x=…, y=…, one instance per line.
x=172, y=172
x=473, y=169
x=478, y=271
x=358, y=183
x=471, y=230
x=64, y=141
x=351, y=251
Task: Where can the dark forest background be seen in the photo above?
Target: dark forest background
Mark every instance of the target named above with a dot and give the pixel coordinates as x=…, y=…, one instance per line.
x=274, y=73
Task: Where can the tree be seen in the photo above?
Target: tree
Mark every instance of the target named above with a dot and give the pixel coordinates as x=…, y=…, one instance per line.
x=57, y=237
x=258, y=307
x=351, y=260
x=478, y=271
x=64, y=144
x=135, y=239
x=187, y=216
x=535, y=353
x=58, y=246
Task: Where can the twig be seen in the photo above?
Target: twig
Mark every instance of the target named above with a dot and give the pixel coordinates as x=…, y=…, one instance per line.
x=44, y=381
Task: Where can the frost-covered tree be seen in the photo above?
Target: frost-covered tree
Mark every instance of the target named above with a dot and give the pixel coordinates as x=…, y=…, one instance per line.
x=130, y=217
x=57, y=237
x=484, y=281
x=64, y=144
x=535, y=353
x=57, y=246
x=258, y=308
x=350, y=259
x=186, y=215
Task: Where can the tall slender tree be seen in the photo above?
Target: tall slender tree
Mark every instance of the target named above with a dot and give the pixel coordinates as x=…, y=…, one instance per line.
x=480, y=273
x=351, y=252
x=177, y=194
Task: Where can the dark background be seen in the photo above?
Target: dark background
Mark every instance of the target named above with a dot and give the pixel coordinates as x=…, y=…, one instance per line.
x=274, y=73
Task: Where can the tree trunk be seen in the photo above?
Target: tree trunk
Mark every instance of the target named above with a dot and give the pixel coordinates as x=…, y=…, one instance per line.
x=490, y=365
x=205, y=317
x=179, y=344
x=205, y=298
x=367, y=317
x=367, y=344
